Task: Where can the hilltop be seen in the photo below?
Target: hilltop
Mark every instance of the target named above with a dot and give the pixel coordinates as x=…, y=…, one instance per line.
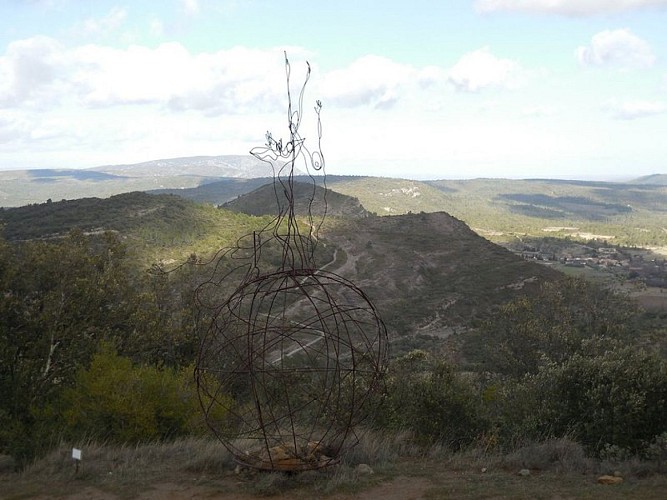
x=234, y=166
x=309, y=198
x=502, y=210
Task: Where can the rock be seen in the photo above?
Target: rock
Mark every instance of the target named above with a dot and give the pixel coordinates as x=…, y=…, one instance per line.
x=610, y=479
x=278, y=453
x=364, y=469
x=484, y=469
x=524, y=472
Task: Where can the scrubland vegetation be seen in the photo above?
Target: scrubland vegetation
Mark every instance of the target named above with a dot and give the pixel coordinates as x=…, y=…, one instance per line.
x=97, y=352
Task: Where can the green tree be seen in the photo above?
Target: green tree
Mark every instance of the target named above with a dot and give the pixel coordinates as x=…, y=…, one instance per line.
x=551, y=326
x=57, y=301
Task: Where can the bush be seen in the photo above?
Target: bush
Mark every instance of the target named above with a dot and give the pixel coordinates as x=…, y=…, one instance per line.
x=433, y=401
x=118, y=401
x=552, y=325
x=614, y=400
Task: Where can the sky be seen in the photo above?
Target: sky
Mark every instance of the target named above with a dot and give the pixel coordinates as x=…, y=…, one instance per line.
x=419, y=89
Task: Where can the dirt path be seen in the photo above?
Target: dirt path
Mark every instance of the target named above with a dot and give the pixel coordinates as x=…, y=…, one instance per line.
x=401, y=488
x=411, y=479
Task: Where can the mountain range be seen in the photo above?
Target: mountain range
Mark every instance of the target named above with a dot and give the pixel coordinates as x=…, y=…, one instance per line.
x=22, y=187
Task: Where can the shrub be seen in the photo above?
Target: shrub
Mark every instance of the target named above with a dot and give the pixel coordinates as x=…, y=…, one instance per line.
x=433, y=401
x=550, y=326
x=116, y=400
x=613, y=400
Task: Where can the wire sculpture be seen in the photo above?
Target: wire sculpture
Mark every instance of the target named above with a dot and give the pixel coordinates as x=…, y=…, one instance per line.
x=292, y=359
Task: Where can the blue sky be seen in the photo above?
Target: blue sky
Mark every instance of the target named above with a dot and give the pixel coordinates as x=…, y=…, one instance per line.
x=420, y=89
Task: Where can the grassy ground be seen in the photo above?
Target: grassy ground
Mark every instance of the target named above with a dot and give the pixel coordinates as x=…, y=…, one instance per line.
x=202, y=468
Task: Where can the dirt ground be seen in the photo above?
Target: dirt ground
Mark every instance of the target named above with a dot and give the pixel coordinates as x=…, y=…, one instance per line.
x=407, y=480
x=402, y=488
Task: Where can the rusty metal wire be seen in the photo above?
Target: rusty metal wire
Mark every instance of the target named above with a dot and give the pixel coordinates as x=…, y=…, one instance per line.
x=293, y=358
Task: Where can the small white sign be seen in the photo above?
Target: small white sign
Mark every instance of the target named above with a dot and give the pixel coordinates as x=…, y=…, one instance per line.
x=76, y=454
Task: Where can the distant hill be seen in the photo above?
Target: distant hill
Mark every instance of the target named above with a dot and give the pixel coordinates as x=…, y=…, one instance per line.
x=240, y=166
x=656, y=179
x=217, y=192
x=226, y=189
x=505, y=209
x=22, y=187
x=119, y=212
x=310, y=199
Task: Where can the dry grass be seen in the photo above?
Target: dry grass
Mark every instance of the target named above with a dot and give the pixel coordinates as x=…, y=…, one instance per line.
x=559, y=455
x=381, y=448
x=204, y=468
x=122, y=470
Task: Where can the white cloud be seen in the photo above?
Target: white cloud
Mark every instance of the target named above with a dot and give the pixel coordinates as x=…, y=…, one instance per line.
x=369, y=81
x=12, y=128
x=632, y=110
x=430, y=76
x=238, y=80
x=42, y=73
x=481, y=69
x=618, y=48
x=29, y=72
x=567, y=7
x=116, y=105
x=103, y=25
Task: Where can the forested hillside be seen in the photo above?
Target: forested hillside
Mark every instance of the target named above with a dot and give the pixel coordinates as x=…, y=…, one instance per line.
x=156, y=228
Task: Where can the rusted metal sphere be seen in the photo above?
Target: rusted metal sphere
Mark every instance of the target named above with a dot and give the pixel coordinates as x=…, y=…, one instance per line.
x=289, y=366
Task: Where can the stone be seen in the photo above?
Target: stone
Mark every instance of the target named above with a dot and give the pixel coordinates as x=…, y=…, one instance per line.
x=606, y=479
x=364, y=469
x=524, y=472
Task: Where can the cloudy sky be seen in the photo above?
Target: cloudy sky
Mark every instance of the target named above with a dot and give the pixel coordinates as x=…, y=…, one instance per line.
x=421, y=89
